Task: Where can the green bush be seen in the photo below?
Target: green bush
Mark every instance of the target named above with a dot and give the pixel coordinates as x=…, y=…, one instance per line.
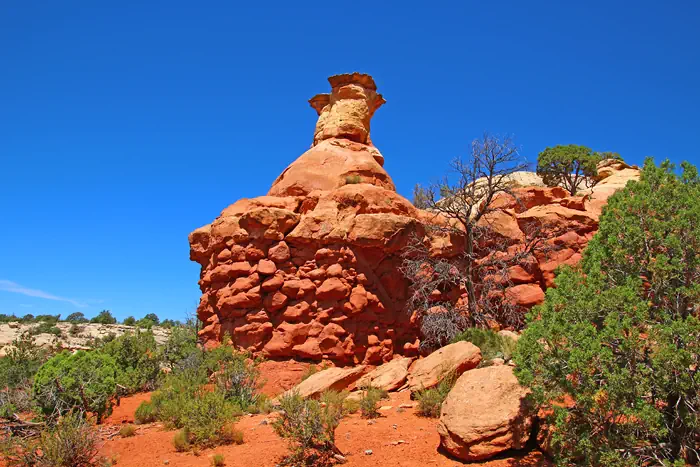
x=430, y=400
x=353, y=179
x=569, y=166
x=127, y=431
x=84, y=380
x=71, y=443
x=45, y=327
x=619, y=336
x=218, y=460
x=238, y=381
x=309, y=427
x=129, y=321
x=145, y=413
x=17, y=370
x=491, y=344
x=181, y=441
x=104, y=317
x=138, y=358
x=181, y=344
x=77, y=318
x=370, y=399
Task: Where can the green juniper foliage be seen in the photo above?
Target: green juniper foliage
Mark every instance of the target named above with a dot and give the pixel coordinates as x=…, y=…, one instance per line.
x=613, y=354
x=138, y=358
x=83, y=380
x=569, y=166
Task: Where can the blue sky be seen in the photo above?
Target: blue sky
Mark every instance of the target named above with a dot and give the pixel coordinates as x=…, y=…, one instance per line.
x=125, y=126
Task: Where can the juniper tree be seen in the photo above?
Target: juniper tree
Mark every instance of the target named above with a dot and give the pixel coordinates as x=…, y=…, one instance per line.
x=613, y=354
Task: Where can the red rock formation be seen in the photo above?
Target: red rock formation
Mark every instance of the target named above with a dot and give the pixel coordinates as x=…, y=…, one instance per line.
x=311, y=270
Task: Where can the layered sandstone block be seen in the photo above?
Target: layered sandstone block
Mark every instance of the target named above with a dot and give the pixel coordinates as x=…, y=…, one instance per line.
x=311, y=270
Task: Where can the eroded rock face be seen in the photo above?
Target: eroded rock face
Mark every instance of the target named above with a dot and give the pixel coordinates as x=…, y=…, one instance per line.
x=311, y=270
x=484, y=414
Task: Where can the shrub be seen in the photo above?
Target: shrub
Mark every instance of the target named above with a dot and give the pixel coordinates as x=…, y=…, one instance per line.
x=104, y=317
x=129, y=321
x=491, y=344
x=238, y=382
x=127, y=431
x=181, y=344
x=570, y=166
x=83, y=380
x=309, y=427
x=77, y=318
x=138, y=358
x=217, y=460
x=145, y=413
x=181, y=441
x=75, y=330
x=71, y=443
x=45, y=328
x=370, y=398
x=17, y=370
x=430, y=400
x=229, y=434
x=619, y=336
x=353, y=179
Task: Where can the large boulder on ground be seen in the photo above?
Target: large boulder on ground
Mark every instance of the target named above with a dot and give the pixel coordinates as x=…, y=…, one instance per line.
x=335, y=379
x=453, y=359
x=389, y=376
x=484, y=414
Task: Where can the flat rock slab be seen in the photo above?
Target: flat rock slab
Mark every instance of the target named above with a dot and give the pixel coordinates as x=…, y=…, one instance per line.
x=335, y=379
x=452, y=359
x=389, y=376
x=485, y=414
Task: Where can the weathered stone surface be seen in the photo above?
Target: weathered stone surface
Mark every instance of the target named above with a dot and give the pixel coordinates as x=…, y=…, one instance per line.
x=389, y=376
x=335, y=379
x=324, y=246
x=484, y=414
x=452, y=359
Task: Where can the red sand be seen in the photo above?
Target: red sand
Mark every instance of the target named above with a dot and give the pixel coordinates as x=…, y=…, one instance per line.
x=152, y=446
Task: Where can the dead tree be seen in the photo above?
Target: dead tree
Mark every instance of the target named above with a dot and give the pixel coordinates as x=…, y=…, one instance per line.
x=463, y=201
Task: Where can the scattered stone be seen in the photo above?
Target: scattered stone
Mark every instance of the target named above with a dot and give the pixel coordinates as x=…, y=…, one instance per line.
x=368, y=452
x=386, y=407
x=407, y=406
x=340, y=459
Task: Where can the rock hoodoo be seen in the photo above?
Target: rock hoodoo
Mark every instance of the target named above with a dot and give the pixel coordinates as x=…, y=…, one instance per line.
x=311, y=270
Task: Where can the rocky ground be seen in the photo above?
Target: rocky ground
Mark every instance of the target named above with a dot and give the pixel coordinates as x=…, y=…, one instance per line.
x=81, y=337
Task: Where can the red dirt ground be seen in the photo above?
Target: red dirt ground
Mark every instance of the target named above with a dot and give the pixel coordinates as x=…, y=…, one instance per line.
x=152, y=446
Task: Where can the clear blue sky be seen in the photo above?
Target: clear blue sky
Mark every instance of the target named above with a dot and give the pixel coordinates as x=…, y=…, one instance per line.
x=123, y=127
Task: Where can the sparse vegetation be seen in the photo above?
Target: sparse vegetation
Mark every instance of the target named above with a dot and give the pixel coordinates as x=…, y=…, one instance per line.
x=145, y=413
x=430, y=400
x=370, y=400
x=138, y=358
x=353, y=179
x=181, y=440
x=570, y=166
x=104, y=317
x=218, y=460
x=127, y=431
x=72, y=442
x=309, y=427
x=491, y=344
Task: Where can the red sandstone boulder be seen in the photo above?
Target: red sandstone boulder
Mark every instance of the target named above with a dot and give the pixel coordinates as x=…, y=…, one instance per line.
x=485, y=413
x=453, y=359
x=389, y=376
x=335, y=379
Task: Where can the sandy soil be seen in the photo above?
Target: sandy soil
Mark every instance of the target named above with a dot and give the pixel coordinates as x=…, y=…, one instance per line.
x=398, y=438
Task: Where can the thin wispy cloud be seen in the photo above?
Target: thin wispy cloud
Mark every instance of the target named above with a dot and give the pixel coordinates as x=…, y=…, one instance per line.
x=9, y=286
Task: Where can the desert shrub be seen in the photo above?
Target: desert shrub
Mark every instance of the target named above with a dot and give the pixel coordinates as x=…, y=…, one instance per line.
x=17, y=370
x=45, y=327
x=218, y=460
x=309, y=427
x=370, y=399
x=75, y=330
x=181, y=344
x=181, y=440
x=138, y=358
x=430, y=400
x=569, y=166
x=77, y=318
x=72, y=442
x=104, y=317
x=129, y=321
x=229, y=434
x=145, y=413
x=339, y=400
x=353, y=179
x=491, y=344
x=127, y=431
x=619, y=336
x=238, y=381
x=83, y=380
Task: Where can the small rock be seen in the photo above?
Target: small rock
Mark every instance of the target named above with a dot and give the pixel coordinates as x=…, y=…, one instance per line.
x=264, y=422
x=394, y=426
x=407, y=406
x=368, y=452
x=371, y=422
x=497, y=362
x=166, y=462
x=386, y=407
x=340, y=459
